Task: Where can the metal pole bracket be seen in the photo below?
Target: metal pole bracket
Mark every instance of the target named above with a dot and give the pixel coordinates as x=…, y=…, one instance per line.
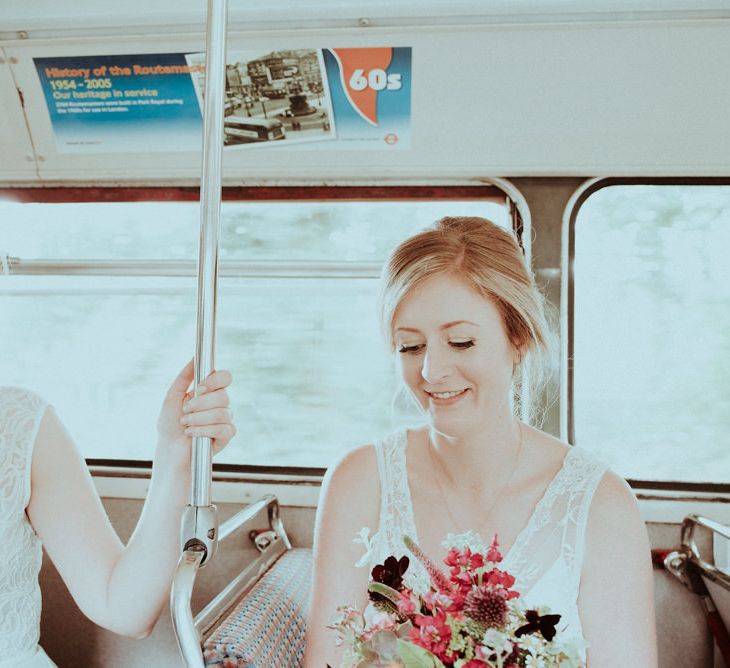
x=199, y=530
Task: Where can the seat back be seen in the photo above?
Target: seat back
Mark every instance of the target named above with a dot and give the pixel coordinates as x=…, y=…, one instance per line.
x=267, y=626
x=259, y=618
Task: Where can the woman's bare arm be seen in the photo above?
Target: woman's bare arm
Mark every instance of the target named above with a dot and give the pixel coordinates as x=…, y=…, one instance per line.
x=350, y=500
x=617, y=590
x=122, y=589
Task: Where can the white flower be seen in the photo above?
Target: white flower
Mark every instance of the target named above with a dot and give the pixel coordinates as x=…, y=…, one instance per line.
x=497, y=641
x=570, y=651
x=363, y=537
x=468, y=539
x=373, y=617
x=533, y=643
x=532, y=661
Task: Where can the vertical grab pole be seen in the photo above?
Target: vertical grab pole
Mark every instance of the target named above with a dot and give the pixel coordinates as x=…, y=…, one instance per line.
x=200, y=523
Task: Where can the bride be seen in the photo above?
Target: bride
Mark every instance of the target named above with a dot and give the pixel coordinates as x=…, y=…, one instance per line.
x=461, y=311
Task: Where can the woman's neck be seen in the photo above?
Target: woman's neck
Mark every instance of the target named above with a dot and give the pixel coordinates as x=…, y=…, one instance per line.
x=483, y=457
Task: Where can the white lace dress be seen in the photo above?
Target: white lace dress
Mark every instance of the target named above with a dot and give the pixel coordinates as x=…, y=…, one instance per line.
x=20, y=595
x=547, y=555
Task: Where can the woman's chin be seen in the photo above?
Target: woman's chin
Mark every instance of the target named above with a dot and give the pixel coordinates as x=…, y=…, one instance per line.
x=449, y=426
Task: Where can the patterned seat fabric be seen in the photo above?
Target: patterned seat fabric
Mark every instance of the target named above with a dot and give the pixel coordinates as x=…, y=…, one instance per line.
x=266, y=629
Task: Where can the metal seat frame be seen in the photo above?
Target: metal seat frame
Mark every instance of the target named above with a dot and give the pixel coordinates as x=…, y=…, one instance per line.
x=691, y=568
x=266, y=532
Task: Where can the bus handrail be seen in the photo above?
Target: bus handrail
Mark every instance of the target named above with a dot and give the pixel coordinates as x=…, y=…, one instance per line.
x=188, y=637
x=230, y=268
x=689, y=545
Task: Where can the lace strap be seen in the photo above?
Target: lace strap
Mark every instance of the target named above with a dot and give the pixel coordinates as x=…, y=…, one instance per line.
x=386, y=451
x=396, y=507
x=592, y=470
x=21, y=412
x=555, y=533
x=384, y=478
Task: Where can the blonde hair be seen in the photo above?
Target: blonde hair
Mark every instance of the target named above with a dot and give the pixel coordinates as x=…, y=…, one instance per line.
x=489, y=260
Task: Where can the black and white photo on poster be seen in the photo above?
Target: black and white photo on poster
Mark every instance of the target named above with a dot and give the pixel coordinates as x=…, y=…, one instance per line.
x=272, y=97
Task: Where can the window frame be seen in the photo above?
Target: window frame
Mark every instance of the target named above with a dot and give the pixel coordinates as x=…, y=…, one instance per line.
x=652, y=490
x=488, y=190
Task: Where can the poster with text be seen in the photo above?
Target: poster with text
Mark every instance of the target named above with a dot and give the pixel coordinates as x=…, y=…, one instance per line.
x=120, y=104
x=303, y=99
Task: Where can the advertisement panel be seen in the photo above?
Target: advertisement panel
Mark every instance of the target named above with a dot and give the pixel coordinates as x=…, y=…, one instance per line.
x=308, y=99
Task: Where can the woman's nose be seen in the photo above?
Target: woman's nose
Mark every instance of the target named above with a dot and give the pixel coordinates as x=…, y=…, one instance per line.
x=435, y=366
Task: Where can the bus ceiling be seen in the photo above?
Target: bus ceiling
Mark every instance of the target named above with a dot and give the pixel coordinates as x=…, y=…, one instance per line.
x=50, y=17
x=494, y=89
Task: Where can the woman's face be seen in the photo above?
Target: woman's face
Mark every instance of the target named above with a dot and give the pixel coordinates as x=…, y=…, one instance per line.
x=454, y=355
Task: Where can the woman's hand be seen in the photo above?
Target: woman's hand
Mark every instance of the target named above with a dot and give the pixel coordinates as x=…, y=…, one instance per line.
x=184, y=415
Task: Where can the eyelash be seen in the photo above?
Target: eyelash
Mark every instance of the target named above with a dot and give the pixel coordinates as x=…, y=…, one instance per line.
x=459, y=345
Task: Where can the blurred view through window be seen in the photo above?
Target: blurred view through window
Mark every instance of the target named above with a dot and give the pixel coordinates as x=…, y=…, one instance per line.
x=652, y=330
x=312, y=375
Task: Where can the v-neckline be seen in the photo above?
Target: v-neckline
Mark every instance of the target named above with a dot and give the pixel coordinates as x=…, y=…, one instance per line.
x=506, y=558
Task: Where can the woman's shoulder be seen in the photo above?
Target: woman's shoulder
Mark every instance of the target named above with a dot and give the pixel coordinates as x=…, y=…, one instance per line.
x=19, y=404
x=355, y=459
x=364, y=461
x=350, y=495
x=611, y=500
x=356, y=470
x=565, y=468
x=612, y=505
x=615, y=504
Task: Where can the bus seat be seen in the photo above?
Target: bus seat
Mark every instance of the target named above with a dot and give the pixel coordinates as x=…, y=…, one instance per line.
x=259, y=618
x=683, y=639
x=267, y=626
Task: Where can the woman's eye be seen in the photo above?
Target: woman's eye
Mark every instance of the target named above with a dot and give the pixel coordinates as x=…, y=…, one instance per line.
x=403, y=349
x=462, y=345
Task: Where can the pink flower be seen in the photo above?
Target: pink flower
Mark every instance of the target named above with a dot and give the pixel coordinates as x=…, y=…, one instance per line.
x=437, y=600
x=493, y=553
x=463, y=580
x=406, y=604
x=438, y=579
x=498, y=578
x=432, y=633
x=463, y=559
x=381, y=621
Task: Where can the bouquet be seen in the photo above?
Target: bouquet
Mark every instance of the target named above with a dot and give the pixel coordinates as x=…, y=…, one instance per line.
x=471, y=617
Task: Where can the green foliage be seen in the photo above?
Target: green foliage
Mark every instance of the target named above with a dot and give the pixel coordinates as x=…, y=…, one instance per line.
x=414, y=656
x=384, y=590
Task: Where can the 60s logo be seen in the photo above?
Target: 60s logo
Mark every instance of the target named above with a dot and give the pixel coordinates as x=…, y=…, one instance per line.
x=376, y=79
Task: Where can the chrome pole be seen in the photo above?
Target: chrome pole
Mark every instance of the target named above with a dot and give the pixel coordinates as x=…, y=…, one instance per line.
x=200, y=524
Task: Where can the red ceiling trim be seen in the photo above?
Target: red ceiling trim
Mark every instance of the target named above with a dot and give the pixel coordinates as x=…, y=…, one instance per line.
x=264, y=193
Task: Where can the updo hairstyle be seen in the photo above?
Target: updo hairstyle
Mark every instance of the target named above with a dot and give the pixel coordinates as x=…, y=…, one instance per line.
x=488, y=259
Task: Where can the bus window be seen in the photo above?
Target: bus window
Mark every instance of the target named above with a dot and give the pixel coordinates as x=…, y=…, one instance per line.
x=297, y=321
x=650, y=340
